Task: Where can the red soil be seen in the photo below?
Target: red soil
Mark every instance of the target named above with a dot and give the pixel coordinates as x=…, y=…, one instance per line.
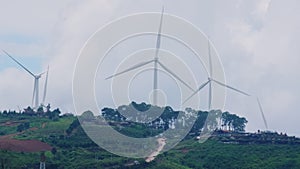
x=8, y=143
x=9, y=136
x=10, y=123
x=24, y=145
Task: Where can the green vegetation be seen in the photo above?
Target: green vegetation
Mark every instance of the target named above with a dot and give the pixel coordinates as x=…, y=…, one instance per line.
x=213, y=154
x=229, y=148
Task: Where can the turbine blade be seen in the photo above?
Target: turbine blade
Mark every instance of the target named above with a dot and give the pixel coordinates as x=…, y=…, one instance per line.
x=159, y=34
x=232, y=88
x=45, y=87
x=18, y=63
x=155, y=83
x=209, y=96
x=203, y=85
x=210, y=61
x=178, y=78
x=262, y=113
x=129, y=69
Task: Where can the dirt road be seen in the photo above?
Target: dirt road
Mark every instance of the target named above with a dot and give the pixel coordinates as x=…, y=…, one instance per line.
x=161, y=144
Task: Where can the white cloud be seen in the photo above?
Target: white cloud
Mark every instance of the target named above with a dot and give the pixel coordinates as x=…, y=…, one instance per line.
x=271, y=70
x=257, y=42
x=16, y=89
x=261, y=9
x=80, y=21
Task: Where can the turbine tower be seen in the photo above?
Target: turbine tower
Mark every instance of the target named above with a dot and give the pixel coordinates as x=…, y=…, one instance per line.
x=211, y=80
x=35, y=96
x=156, y=59
x=45, y=87
x=156, y=63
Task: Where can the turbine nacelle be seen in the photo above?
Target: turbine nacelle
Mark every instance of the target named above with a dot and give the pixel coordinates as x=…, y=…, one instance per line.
x=40, y=75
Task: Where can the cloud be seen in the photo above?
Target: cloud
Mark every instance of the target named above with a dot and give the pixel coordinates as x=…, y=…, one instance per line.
x=79, y=21
x=270, y=59
x=16, y=89
x=257, y=42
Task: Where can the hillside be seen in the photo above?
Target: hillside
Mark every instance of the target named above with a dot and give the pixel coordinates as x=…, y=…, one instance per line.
x=65, y=145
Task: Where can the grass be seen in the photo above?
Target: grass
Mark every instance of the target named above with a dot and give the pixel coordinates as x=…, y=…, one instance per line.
x=51, y=128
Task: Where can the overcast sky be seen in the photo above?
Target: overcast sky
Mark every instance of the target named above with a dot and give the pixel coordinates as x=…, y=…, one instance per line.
x=257, y=42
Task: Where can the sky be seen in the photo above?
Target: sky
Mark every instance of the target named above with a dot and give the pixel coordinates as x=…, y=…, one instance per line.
x=256, y=42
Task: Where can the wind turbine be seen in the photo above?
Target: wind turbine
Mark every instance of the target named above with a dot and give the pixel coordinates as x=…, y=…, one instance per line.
x=156, y=63
x=211, y=80
x=35, y=97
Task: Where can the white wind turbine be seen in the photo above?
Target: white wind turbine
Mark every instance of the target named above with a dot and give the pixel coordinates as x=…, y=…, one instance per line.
x=209, y=82
x=156, y=63
x=35, y=97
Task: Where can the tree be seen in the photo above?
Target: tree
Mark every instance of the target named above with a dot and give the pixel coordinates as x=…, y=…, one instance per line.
x=200, y=121
x=40, y=110
x=233, y=122
x=53, y=151
x=225, y=119
x=29, y=111
x=87, y=116
x=239, y=123
x=73, y=126
x=53, y=114
x=23, y=126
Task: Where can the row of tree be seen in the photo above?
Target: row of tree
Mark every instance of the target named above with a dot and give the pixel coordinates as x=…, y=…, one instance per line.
x=41, y=111
x=204, y=119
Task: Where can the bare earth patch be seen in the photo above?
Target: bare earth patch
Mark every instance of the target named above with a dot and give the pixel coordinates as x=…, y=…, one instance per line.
x=24, y=145
x=8, y=143
x=161, y=144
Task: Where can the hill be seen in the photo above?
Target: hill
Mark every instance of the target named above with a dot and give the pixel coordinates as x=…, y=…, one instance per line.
x=66, y=145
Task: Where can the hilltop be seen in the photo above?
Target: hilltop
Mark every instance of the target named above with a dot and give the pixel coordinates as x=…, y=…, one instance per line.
x=66, y=145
